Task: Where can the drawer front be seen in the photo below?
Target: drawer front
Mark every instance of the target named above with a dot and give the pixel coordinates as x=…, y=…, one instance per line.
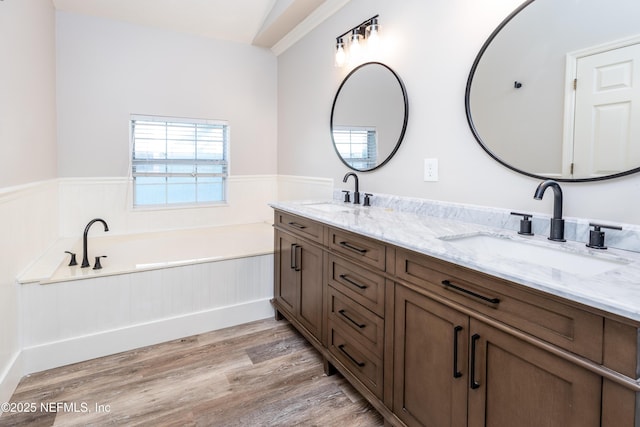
x=299, y=226
x=360, y=362
x=365, y=326
x=546, y=318
x=362, y=249
x=360, y=284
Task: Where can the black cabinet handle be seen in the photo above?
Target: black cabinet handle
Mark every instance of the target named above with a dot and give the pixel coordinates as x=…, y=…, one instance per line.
x=348, y=280
x=448, y=284
x=298, y=257
x=472, y=376
x=341, y=347
x=293, y=256
x=343, y=314
x=296, y=225
x=456, y=373
x=353, y=248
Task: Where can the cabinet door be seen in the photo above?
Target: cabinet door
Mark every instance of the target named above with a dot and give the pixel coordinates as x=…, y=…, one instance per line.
x=513, y=383
x=309, y=263
x=430, y=361
x=286, y=286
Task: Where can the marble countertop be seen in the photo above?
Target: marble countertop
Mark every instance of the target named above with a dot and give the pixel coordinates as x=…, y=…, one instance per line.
x=608, y=280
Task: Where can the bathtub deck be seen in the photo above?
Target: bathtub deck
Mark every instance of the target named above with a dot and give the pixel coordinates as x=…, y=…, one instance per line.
x=150, y=251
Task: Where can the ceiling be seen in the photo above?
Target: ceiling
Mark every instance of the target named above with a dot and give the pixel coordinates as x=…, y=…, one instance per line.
x=273, y=24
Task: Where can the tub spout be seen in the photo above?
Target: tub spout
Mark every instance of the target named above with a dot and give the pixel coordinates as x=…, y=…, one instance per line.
x=85, y=258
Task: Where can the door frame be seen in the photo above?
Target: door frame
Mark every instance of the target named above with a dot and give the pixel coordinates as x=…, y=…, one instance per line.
x=571, y=71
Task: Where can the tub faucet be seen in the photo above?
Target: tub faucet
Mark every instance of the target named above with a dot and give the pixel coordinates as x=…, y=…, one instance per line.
x=85, y=258
x=356, y=193
x=557, y=223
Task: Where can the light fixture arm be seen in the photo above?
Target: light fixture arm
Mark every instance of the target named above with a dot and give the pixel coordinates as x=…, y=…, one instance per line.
x=360, y=27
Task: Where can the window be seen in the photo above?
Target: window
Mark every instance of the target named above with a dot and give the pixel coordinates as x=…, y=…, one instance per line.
x=178, y=161
x=357, y=146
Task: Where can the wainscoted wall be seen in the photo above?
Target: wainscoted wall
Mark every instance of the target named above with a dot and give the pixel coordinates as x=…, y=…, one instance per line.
x=29, y=225
x=82, y=199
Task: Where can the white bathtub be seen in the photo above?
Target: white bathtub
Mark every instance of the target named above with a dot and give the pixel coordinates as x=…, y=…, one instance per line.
x=127, y=253
x=153, y=287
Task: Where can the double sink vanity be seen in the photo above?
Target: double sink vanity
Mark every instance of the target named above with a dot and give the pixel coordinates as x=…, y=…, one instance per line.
x=438, y=321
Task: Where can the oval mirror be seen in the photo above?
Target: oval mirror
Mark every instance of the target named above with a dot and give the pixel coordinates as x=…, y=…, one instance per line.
x=369, y=116
x=555, y=90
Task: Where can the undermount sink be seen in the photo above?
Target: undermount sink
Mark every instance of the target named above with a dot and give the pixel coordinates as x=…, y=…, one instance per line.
x=329, y=207
x=489, y=247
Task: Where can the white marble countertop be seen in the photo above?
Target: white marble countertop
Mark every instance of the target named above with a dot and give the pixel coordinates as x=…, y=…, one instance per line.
x=614, y=288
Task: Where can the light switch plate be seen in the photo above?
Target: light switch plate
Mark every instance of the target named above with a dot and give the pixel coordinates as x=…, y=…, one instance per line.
x=430, y=169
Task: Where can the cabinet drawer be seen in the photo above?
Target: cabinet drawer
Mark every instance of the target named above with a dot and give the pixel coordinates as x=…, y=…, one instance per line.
x=366, y=327
x=362, y=249
x=360, y=284
x=546, y=318
x=299, y=226
x=360, y=362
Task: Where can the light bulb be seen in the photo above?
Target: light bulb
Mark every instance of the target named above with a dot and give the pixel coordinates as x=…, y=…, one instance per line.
x=373, y=37
x=341, y=56
x=355, y=50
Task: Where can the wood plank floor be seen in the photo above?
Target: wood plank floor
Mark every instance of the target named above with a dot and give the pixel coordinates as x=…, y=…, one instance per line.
x=258, y=374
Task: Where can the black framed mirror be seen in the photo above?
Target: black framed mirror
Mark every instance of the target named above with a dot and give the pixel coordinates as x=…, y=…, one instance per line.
x=369, y=116
x=554, y=91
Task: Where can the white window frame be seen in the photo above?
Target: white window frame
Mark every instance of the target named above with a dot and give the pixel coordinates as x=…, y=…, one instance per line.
x=198, y=165
x=371, y=135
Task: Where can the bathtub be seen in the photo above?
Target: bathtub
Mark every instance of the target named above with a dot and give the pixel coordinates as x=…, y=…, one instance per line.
x=153, y=287
x=128, y=253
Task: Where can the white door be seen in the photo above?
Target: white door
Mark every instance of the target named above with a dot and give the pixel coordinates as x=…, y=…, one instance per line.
x=607, y=115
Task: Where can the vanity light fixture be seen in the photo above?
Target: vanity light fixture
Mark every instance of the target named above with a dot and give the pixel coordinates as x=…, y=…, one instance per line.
x=366, y=32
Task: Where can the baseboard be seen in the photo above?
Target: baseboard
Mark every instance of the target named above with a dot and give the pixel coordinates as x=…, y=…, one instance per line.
x=78, y=349
x=10, y=378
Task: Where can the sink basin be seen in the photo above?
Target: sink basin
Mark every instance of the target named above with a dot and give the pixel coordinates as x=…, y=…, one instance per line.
x=489, y=247
x=329, y=207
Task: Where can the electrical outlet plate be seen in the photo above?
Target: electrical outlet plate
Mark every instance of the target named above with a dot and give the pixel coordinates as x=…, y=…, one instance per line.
x=430, y=169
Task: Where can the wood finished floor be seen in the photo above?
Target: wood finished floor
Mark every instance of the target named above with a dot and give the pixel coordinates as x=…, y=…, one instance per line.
x=258, y=374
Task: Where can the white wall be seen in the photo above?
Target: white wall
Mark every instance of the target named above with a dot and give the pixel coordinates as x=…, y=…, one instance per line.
x=108, y=70
x=27, y=92
x=28, y=204
x=431, y=45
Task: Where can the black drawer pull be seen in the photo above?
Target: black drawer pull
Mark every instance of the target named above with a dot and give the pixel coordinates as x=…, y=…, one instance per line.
x=346, y=279
x=293, y=255
x=472, y=376
x=296, y=225
x=359, y=325
x=298, y=257
x=456, y=373
x=341, y=347
x=448, y=284
x=353, y=248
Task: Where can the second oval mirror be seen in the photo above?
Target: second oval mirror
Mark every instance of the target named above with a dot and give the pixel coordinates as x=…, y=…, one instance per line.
x=369, y=116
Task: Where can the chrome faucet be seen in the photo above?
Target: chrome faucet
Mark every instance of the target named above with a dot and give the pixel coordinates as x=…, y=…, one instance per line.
x=85, y=258
x=356, y=193
x=557, y=223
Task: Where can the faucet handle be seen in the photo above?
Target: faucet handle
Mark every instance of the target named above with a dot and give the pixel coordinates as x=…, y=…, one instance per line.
x=596, y=236
x=367, y=199
x=347, y=196
x=72, y=261
x=525, y=223
x=97, y=265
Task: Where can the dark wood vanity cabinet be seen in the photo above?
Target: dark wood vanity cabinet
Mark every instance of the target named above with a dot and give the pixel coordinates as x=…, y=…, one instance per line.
x=454, y=370
x=299, y=269
x=431, y=343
